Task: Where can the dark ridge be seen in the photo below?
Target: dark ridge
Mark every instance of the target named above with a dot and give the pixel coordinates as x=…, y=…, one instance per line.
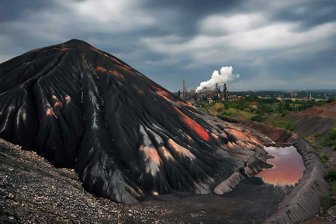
x=126, y=136
x=76, y=42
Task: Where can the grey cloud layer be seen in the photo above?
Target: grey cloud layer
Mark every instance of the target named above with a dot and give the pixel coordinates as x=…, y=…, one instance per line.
x=272, y=44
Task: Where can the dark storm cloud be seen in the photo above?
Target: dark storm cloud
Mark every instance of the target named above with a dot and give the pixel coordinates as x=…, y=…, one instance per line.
x=16, y=10
x=189, y=12
x=265, y=41
x=309, y=14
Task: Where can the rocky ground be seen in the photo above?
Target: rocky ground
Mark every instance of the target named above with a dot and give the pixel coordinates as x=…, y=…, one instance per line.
x=33, y=191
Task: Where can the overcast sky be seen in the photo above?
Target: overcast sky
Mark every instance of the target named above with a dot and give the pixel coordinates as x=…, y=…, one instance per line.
x=285, y=44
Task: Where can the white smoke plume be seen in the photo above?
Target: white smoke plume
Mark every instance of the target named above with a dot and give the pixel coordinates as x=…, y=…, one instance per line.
x=218, y=77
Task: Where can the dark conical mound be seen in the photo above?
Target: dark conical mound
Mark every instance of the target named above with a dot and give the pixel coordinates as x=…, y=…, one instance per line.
x=125, y=135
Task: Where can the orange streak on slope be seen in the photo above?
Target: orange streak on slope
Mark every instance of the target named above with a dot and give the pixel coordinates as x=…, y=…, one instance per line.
x=244, y=136
x=61, y=48
x=112, y=58
x=152, y=154
x=193, y=125
x=50, y=112
x=113, y=72
x=164, y=94
x=58, y=104
x=180, y=149
x=166, y=153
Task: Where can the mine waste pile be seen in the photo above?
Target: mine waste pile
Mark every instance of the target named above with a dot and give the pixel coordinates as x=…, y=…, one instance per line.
x=127, y=137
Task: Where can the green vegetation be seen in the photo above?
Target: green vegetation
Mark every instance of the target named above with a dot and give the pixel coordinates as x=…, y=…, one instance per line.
x=329, y=139
x=283, y=124
x=267, y=110
x=257, y=118
x=252, y=106
x=324, y=158
x=326, y=203
x=330, y=176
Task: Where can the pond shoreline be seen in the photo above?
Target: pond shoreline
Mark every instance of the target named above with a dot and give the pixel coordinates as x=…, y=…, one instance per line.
x=303, y=202
x=286, y=166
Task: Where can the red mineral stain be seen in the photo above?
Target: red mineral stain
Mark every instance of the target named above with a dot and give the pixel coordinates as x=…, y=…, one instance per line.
x=244, y=136
x=112, y=58
x=152, y=154
x=215, y=136
x=121, y=64
x=101, y=69
x=193, y=125
x=224, y=135
x=164, y=94
x=58, y=104
x=180, y=149
x=50, y=112
x=166, y=153
x=117, y=74
x=61, y=48
x=185, y=104
x=113, y=72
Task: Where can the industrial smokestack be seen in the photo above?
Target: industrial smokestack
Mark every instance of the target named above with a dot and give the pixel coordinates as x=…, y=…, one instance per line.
x=218, y=77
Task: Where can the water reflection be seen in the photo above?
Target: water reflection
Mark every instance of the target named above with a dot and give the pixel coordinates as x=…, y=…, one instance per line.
x=287, y=166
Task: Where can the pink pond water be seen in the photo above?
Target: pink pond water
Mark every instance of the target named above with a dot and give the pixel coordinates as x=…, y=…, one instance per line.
x=287, y=166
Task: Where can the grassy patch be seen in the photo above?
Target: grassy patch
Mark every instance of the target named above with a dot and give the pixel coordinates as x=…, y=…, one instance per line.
x=310, y=139
x=257, y=118
x=324, y=158
x=283, y=124
x=330, y=139
x=216, y=108
x=333, y=186
x=326, y=203
x=331, y=178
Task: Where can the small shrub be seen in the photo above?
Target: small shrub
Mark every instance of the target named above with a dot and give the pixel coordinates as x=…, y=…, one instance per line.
x=227, y=118
x=257, y=118
x=226, y=113
x=330, y=139
x=284, y=124
x=326, y=202
x=284, y=113
x=324, y=158
x=333, y=186
x=330, y=176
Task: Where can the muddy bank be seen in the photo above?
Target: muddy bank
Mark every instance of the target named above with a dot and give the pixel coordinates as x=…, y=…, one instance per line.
x=279, y=136
x=304, y=201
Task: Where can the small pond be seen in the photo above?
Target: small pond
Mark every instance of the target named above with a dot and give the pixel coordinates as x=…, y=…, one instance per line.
x=287, y=166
